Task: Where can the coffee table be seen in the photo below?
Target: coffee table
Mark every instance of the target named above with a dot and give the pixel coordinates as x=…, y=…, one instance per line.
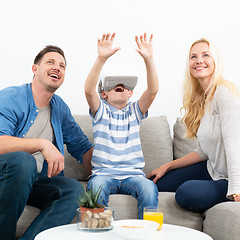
x=168, y=232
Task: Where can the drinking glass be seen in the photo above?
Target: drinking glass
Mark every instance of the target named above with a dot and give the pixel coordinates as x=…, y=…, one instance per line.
x=153, y=214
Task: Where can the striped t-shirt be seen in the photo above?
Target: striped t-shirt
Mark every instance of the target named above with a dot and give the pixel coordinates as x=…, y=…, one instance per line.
x=117, y=147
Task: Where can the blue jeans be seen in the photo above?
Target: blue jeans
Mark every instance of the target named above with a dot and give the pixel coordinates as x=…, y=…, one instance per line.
x=195, y=189
x=20, y=184
x=142, y=189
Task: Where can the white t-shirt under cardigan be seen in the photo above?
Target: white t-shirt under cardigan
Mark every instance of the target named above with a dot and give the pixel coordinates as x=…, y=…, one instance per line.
x=219, y=138
x=117, y=147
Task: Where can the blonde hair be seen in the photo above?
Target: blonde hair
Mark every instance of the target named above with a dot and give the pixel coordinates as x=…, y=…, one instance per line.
x=194, y=97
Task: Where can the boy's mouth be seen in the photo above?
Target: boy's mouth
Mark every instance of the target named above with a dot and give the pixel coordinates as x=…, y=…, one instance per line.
x=119, y=89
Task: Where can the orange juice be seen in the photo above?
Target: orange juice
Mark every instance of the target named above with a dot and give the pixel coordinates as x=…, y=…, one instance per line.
x=154, y=216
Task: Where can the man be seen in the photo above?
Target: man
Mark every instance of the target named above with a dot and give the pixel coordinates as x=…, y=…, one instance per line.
x=34, y=126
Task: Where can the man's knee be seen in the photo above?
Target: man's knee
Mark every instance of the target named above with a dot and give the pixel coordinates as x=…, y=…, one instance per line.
x=70, y=187
x=19, y=164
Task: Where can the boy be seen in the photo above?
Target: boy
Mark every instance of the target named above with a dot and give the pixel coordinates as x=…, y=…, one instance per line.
x=117, y=160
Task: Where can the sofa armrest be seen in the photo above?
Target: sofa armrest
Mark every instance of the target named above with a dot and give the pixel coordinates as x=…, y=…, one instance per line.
x=222, y=221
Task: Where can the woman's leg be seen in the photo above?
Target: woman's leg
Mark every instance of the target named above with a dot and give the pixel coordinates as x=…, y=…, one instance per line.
x=194, y=187
x=200, y=195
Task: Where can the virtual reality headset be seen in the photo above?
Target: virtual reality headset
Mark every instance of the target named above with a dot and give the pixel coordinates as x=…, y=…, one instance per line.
x=110, y=82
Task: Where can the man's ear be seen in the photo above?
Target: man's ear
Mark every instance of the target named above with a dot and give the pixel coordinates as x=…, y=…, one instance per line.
x=34, y=68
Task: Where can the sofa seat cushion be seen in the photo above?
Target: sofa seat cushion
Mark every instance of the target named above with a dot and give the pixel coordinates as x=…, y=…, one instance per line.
x=125, y=206
x=173, y=214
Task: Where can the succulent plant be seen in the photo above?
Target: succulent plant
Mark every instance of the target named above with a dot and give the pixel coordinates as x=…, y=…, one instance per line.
x=90, y=198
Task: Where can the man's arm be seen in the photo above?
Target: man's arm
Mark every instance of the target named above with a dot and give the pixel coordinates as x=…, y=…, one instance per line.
x=14, y=144
x=146, y=51
x=105, y=50
x=54, y=158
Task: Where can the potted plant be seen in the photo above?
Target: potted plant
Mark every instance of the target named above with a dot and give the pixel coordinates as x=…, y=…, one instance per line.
x=91, y=213
x=89, y=200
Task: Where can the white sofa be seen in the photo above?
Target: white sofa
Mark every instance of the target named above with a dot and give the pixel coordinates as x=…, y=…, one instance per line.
x=221, y=222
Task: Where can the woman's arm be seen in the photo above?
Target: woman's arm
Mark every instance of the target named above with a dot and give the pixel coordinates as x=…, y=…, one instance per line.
x=185, y=161
x=228, y=105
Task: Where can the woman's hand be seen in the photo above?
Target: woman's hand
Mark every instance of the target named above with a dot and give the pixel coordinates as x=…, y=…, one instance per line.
x=237, y=198
x=158, y=172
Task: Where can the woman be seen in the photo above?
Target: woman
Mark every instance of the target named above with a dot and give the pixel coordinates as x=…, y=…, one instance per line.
x=211, y=174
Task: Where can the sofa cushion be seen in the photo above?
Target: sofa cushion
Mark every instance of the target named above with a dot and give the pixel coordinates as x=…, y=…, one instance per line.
x=72, y=167
x=182, y=145
x=156, y=142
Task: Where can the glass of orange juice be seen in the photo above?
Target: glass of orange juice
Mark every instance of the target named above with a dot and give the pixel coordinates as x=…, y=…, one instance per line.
x=153, y=214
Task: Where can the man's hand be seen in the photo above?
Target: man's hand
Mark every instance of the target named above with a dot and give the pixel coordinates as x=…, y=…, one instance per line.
x=53, y=157
x=105, y=49
x=145, y=48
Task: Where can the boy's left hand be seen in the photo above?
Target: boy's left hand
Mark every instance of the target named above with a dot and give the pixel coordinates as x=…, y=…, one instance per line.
x=144, y=46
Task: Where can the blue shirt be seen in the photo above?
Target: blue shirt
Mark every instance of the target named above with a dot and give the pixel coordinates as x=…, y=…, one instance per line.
x=18, y=112
x=117, y=146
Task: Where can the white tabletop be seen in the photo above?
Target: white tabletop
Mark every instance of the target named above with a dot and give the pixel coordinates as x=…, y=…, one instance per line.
x=168, y=232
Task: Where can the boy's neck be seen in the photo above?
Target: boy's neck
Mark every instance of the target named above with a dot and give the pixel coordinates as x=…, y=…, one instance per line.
x=119, y=106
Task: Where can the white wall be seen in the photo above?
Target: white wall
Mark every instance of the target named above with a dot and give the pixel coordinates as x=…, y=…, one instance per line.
x=26, y=26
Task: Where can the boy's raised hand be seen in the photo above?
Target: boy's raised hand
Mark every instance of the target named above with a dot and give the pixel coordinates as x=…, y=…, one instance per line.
x=105, y=49
x=144, y=46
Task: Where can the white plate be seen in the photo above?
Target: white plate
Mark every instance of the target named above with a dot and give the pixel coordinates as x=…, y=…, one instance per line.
x=135, y=228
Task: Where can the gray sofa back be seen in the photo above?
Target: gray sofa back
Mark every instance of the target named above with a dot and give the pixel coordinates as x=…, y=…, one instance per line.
x=155, y=138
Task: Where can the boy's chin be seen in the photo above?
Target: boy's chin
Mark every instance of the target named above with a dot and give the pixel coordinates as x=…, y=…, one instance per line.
x=117, y=104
